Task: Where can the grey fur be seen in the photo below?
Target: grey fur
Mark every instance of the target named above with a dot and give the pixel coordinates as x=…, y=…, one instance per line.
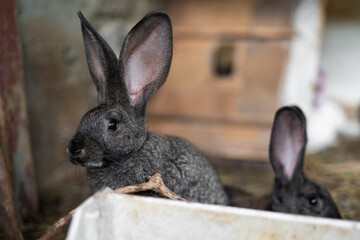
x=112, y=141
x=296, y=194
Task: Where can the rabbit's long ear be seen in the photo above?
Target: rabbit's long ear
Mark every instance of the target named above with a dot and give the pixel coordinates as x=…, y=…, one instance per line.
x=145, y=59
x=288, y=142
x=101, y=59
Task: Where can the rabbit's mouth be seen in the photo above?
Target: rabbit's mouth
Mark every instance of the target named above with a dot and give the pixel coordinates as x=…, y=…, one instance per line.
x=92, y=164
x=85, y=163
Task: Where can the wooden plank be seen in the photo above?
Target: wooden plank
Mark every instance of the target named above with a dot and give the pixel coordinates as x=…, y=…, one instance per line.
x=210, y=14
x=342, y=10
x=263, y=33
x=219, y=140
x=272, y=14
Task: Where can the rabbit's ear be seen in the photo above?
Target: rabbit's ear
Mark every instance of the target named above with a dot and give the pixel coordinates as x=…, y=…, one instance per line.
x=288, y=142
x=101, y=59
x=145, y=58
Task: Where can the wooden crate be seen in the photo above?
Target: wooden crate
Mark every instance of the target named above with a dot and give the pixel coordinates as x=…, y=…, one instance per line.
x=222, y=90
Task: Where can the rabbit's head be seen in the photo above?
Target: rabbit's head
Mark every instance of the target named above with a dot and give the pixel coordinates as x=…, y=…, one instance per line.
x=293, y=191
x=117, y=126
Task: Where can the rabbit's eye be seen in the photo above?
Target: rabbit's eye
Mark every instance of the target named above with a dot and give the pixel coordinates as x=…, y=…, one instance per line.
x=113, y=125
x=314, y=202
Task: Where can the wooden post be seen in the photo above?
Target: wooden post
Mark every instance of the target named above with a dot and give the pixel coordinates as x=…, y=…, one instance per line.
x=14, y=135
x=8, y=216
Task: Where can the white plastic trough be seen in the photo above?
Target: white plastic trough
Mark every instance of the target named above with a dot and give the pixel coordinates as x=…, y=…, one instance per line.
x=112, y=216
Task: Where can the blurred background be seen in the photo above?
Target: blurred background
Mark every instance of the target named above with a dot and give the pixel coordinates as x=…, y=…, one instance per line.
x=234, y=64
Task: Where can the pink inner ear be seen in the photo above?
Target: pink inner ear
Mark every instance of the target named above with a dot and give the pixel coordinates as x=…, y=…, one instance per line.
x=96, y=64
x=288, y=142
x=145, y=63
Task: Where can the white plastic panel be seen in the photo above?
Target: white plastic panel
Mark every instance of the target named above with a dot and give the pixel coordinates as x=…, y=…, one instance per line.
x=112, y=216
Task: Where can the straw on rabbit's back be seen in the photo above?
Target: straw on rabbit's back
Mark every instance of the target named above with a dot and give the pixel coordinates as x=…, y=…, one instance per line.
x=184, y=170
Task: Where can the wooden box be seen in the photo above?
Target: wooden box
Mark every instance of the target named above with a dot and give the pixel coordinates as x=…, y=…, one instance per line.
x=222, y=90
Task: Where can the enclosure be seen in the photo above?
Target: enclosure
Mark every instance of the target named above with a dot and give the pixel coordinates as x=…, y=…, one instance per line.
x=234, y=64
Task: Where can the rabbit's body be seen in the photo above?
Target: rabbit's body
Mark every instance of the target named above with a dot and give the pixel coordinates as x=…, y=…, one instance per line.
x=178, y=161
x=112, y=141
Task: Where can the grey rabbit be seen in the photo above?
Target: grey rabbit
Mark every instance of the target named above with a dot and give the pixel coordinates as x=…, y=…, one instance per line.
x=293, y=192
x=112, y=141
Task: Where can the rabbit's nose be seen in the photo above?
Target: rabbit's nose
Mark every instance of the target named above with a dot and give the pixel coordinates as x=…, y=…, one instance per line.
x=75, y=148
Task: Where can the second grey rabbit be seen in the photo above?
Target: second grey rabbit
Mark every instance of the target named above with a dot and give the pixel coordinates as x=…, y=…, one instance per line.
x=112, y=141
x=293, y=191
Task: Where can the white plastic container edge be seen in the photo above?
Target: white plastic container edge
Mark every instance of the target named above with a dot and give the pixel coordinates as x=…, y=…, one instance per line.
x=107, y=215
